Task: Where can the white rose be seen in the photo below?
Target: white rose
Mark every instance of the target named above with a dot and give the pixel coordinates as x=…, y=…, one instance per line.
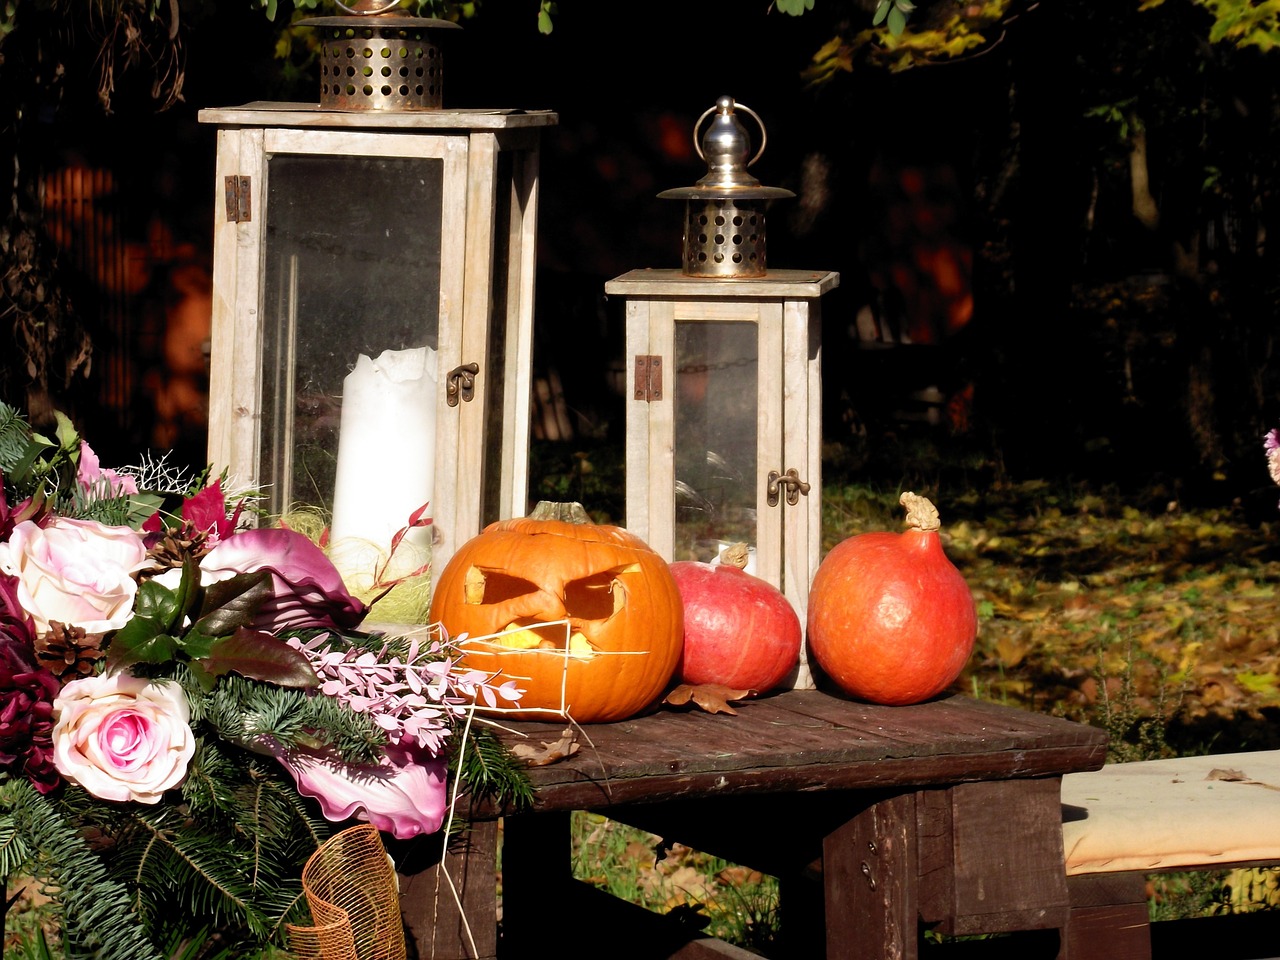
x=77, y=572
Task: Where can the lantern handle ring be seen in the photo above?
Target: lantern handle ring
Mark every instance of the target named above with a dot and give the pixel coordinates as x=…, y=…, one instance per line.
x=368, y=13
x=733, y=105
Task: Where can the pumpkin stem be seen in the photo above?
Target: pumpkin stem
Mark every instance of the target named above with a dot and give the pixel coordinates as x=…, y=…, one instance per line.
x=921, y=514
x=564, y=512
x=736, y=555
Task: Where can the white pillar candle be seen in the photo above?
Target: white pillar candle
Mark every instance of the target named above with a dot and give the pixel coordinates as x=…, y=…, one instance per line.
x=386, y=465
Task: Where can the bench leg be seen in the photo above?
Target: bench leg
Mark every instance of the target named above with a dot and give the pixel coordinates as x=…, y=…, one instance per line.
x=869, y=876
x=455, y=921
x=1109, y=918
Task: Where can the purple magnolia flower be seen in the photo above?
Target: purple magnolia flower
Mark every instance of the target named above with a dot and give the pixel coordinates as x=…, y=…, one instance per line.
x=405, y=794
x=26, y=703
x=307, y=590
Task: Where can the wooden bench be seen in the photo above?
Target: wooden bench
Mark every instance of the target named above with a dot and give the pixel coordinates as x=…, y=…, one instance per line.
x=879, y=822
x=1128, y=820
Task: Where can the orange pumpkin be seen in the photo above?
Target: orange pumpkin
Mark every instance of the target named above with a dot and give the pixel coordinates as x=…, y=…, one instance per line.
x=585, y=617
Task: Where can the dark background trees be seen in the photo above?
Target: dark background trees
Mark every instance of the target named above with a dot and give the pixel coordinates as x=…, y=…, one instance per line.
x=1052, y=246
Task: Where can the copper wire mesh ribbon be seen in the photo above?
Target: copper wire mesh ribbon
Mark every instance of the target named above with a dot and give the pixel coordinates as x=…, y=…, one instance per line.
x=355, y=905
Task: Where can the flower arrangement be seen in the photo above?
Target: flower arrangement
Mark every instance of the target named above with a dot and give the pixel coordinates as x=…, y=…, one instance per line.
x=188, y=708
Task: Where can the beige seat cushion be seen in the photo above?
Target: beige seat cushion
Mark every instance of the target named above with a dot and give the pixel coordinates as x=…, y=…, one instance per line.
x=1162, y=814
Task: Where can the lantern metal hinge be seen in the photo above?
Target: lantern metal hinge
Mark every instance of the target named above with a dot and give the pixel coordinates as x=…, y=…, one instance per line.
x=791, y=480
x=237, y=191
x=461, y=383
x=648, y=378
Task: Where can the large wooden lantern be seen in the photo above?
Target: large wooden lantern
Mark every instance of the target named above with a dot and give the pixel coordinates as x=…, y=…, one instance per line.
x=373, y=306
x=724, y=387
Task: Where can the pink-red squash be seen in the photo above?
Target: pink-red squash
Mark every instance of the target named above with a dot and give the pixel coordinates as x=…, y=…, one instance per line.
x=891, y=620
x=739, y=630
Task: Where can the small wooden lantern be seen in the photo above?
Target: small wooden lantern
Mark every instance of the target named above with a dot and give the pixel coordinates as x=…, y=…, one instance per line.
x=372, y=322
x=724, y=409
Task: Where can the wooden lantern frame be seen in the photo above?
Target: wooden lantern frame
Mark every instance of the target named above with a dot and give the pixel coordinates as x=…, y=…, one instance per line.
x=784, y=307
x=487, y=258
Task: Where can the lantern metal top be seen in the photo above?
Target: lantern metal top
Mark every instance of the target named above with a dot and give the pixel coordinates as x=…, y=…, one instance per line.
x=374, y=60
x=725, y=147
x=377, y=13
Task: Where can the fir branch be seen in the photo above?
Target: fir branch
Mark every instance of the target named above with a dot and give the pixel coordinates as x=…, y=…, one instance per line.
x=164, y=862
x=244, y=711
x=15, y=434
x=92, y=904
x=488, y=769
x=15, y=852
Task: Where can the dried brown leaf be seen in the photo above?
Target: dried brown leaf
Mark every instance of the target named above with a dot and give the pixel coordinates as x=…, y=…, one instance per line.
x=709, y=697
x=549, y=752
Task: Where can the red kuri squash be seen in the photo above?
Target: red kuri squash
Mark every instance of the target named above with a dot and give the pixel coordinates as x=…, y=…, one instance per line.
x=891, y=620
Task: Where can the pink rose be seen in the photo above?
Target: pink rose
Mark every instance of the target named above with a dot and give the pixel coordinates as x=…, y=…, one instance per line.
x=123, y=737
x=405, y=795
x=77, y=572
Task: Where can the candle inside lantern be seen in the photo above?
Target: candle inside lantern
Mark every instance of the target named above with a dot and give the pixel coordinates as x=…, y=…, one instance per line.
x=386, y=466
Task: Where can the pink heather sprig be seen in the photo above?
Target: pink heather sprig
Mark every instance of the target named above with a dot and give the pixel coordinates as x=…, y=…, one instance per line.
x=1271, y=444
x=413, y=700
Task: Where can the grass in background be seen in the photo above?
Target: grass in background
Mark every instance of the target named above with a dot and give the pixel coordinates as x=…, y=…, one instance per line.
x=727, y=901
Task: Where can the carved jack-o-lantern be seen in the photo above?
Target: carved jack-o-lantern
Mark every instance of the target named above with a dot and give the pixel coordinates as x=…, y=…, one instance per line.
x=585, y=617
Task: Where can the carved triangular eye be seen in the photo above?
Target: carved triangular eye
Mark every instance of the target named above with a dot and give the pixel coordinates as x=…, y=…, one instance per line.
x=494, y=586
x=597, y=596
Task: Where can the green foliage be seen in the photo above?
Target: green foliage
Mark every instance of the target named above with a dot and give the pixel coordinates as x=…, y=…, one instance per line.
x=893, y=14
x=92, y=902
x=244, y=711
x=943, y=30
x=1245, y=23
x=546, y=10
x=1138, y=729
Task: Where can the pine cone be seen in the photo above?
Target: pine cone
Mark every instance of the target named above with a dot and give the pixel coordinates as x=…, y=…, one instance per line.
x=174, y=547
x=68, y=652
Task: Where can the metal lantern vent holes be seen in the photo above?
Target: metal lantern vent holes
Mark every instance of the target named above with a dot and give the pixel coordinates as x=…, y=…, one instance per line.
x=376, y=61
x=724, y=233
x=723, y=237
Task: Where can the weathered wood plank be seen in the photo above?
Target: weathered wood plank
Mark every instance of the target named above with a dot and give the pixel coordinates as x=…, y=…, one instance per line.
x=806, y=740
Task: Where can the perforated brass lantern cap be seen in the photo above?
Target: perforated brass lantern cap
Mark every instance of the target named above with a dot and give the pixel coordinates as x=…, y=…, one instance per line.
x=380, y=62
x=724, y=229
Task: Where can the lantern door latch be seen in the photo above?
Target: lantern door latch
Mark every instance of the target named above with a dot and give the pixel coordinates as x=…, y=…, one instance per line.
x=648, y=378
x=237, y=193
x=461, y=383
x=791, y=481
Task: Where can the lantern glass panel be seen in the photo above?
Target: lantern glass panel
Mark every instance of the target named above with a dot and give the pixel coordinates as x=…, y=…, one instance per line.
x=345, y=273
x=716, y=413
